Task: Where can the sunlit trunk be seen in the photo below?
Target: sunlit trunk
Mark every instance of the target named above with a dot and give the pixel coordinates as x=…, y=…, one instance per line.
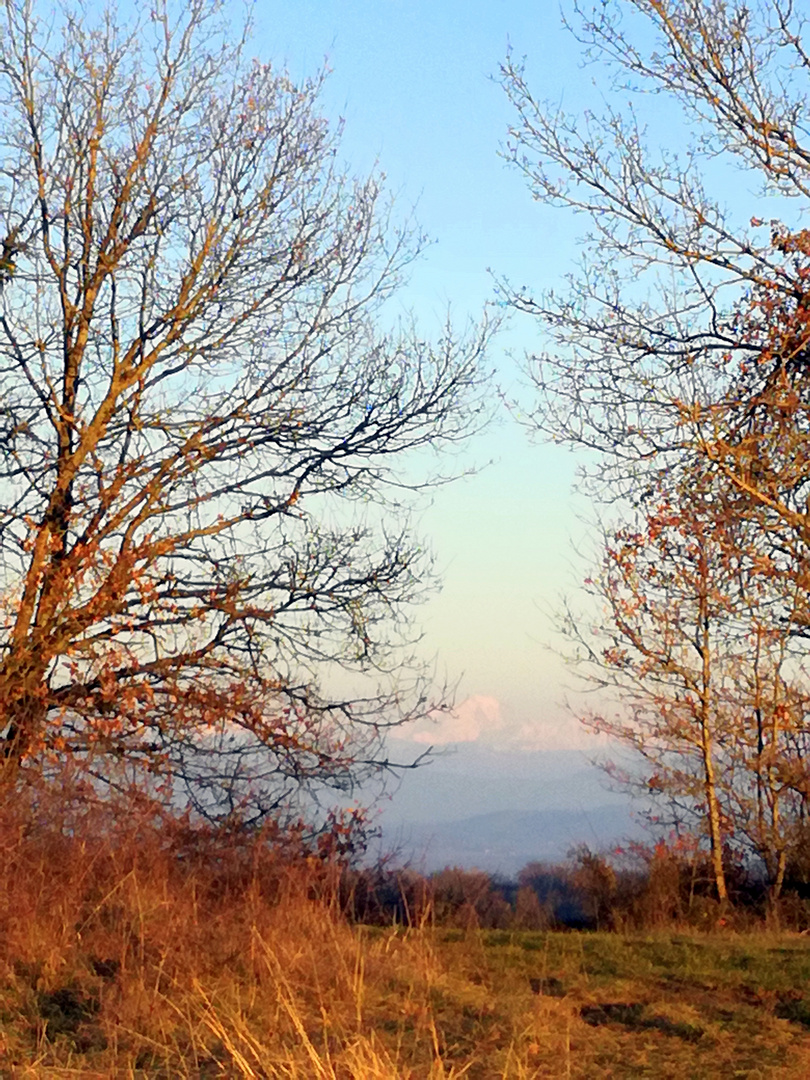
x=707, y=745
x=23, y=710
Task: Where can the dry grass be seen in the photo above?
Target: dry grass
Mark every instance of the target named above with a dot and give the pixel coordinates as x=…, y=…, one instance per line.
x=126, y=953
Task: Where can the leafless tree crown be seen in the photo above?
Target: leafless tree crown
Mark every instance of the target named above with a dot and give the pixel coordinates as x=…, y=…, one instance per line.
x=198, y=408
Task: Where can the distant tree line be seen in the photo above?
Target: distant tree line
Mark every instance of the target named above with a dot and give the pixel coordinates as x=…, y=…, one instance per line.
x=661, y=885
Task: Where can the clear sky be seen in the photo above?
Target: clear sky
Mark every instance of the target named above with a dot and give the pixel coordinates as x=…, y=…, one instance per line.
x=414, y=82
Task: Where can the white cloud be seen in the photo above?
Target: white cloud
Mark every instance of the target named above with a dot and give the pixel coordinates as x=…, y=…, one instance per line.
x=476, y=718
x=482, y=719
x=562, y=733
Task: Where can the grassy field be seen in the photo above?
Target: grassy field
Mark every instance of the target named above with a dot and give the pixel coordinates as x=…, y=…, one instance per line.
x=297, y=993
x=667, y=1005
x=127, y=951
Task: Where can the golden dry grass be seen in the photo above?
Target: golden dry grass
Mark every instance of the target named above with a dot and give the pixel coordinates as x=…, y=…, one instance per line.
x=124, y=955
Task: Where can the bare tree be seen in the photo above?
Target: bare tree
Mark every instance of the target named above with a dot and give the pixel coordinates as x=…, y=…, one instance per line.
x=694, y=673
x=658, y=648
x=678, y=350
x=645, y=338
x=203, y=518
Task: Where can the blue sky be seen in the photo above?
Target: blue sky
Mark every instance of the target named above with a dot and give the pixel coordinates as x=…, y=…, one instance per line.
x=415, y=85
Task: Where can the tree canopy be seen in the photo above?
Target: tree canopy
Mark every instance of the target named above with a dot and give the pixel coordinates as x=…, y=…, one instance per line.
x=203, y=408
x=677, y=352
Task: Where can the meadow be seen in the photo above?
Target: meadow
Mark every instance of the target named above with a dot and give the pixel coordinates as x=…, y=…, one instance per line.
x=133, y=953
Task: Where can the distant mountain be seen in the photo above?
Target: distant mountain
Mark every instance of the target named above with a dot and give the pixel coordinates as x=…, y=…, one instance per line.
x=498, y=809
x=472, y=780
x=504, y=841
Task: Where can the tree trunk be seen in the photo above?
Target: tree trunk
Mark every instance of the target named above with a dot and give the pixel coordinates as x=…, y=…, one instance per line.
x=707, y=746
x=715, y=830
x=22, y=716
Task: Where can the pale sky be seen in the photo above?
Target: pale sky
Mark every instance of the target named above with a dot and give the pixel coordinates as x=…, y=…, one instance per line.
x=414, y=84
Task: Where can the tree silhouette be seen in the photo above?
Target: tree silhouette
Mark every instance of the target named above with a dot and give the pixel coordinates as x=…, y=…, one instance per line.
x=203, y=518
